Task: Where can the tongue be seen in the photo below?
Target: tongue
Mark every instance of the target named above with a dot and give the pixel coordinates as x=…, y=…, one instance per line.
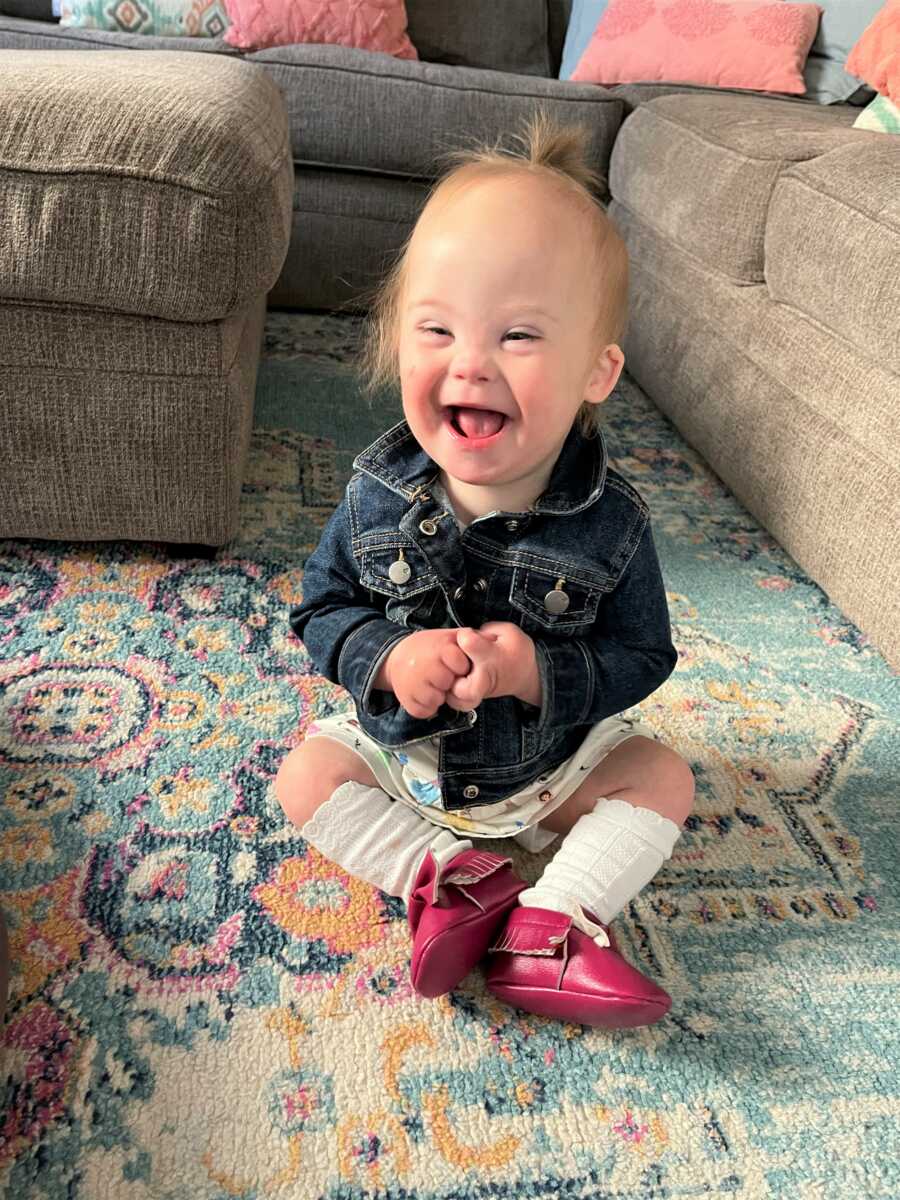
x=478, y=422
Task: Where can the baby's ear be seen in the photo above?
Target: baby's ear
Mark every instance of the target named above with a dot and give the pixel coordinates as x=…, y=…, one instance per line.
x=605, y=375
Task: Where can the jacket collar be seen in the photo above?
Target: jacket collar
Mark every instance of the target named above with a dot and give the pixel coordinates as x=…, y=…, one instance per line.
x=398, y=461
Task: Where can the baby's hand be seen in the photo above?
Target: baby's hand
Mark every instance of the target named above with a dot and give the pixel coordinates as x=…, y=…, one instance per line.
x=504, y=663
x=421, y=669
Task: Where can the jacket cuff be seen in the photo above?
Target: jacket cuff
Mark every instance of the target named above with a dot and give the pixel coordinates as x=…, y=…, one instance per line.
x=567, y=684
x=377, y=711
x=360, y=661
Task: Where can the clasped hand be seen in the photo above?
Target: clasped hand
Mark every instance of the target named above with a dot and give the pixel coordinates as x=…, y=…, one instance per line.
x=461, y=667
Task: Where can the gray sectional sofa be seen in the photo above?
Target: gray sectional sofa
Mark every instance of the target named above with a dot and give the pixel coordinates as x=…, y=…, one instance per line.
x=764, y=234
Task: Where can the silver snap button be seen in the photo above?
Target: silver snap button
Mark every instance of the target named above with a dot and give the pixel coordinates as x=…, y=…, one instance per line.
x=480, y=585
x=399, y=571
x=459, y=593
x=473, y=716
x=557, y=601
x=428, y=527
x=470, y=792
x=511, y=525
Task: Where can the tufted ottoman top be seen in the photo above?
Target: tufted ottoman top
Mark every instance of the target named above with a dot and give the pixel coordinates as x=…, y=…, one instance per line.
x=141, y=181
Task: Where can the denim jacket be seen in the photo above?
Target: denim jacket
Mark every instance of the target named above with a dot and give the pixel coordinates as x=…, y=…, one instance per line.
x=578, y=572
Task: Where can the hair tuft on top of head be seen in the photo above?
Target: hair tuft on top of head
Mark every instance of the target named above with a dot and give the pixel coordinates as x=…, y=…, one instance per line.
x=542, y=143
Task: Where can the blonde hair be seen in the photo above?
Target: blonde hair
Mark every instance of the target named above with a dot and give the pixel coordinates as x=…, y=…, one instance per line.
x=555, y=153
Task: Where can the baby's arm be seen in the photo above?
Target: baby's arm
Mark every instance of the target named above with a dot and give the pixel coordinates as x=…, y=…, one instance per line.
x=421, y=669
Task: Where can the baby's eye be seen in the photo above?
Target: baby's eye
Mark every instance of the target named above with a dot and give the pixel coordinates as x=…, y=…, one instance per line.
x=521, y=335
x=438, y=330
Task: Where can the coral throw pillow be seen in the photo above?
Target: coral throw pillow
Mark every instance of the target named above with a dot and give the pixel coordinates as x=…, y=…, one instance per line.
x=876, y=56
x=366, y=24
x=757, y=44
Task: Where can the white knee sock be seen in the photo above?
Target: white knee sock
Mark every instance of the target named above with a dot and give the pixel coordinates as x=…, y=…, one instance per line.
x=378, y=839
x=607, y=857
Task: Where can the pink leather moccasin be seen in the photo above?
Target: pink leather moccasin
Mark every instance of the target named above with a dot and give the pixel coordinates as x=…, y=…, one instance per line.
x=543, y=964
x=453, y=915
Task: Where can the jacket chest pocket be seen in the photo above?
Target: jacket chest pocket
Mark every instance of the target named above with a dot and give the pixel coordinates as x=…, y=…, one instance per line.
x=405, y=578
x=553, y=602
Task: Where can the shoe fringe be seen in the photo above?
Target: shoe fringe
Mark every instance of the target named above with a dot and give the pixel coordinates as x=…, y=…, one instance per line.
x=477, y=869
x=522, y=941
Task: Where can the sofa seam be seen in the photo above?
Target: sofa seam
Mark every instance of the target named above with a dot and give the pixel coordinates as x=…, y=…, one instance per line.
x=792, y=308
x=32, y=368
x=143, y=178
x=319, y=212
x=732, y=150
x=605, y=97
x=790, y=177
x=735, y=279
x=819, y=416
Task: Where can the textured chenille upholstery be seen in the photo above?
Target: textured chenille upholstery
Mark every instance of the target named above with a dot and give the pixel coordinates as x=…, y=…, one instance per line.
x=144, y=214
x=765, y=293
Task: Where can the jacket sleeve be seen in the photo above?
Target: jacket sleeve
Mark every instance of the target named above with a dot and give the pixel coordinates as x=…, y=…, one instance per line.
x=627, y=655
x=348, y=637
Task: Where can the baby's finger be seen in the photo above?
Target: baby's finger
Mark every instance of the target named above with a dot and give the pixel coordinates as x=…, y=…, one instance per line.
x=471, y=688
x=455, y=660
x=440, y=677
x=427, y=699
x=472, y=642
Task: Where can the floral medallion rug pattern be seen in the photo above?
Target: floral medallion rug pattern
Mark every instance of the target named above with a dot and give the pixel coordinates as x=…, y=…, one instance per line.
x=203, y=1008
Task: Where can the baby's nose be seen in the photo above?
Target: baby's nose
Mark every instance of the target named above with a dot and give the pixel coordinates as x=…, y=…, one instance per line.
x=473, y=366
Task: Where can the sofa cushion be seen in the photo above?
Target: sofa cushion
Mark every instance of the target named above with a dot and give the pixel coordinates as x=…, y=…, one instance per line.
x=512, y=36
x=141, y=182
x=832, y=244
x=405, y=114
x=32, y=10
x=700, y=169
x=113, y=426
x=347, y=230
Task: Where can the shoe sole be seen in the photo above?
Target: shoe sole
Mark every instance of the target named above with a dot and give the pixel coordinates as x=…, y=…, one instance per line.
x=611, y=1013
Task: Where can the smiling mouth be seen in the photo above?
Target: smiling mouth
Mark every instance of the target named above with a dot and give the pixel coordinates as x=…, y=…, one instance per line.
x=476, y=424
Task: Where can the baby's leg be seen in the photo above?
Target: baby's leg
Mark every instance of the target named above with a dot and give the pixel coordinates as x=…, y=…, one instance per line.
x=330, y=793
x=312, y=772
x=621, y=824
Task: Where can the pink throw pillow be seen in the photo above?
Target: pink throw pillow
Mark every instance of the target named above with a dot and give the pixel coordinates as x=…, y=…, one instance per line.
x=757, y=44
x=366, y=24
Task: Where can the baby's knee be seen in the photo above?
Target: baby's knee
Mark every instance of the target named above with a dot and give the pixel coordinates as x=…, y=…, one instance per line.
x=676, y=786
x=306, y=779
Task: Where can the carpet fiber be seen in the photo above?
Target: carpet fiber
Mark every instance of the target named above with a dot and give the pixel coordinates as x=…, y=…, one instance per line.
x=202, y=1008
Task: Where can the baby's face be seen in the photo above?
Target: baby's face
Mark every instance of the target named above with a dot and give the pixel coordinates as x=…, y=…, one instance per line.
x=497, y=344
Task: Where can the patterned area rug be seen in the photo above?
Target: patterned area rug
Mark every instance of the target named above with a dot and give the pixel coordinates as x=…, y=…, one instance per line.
x=202, y=1008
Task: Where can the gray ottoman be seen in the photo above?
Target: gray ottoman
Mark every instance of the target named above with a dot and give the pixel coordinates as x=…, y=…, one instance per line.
x=145, y=212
